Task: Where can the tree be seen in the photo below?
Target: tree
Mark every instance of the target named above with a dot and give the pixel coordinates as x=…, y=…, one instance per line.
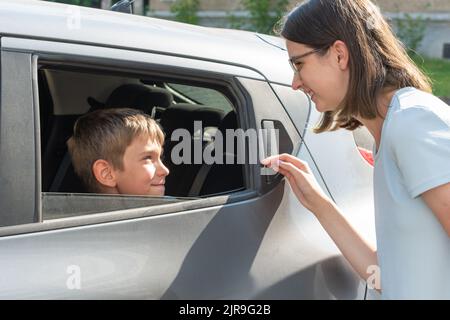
x=186, y=10
x=85, y=3
x=264, y=14
x=411, y=31
x=138, y=5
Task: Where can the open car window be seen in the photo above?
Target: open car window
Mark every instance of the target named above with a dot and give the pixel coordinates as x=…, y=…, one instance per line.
x=68, y=92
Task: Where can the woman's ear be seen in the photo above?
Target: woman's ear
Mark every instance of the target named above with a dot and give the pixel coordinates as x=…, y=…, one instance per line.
x=104, y=173
x=341, y=53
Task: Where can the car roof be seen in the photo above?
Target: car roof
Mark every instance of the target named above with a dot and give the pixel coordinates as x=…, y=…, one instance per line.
x=58, y=22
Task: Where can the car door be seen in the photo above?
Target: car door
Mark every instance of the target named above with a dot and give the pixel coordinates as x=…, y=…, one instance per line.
x=255, y=243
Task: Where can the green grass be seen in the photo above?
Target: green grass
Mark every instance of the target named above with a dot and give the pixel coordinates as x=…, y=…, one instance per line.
x=439, y=72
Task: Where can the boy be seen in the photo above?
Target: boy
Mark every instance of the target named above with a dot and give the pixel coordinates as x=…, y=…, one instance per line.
x=117, y=151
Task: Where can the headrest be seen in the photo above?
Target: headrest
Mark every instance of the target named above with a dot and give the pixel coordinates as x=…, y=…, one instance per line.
x=139, y=96
x=135, y=96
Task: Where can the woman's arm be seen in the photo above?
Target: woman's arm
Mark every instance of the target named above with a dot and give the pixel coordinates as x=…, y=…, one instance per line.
x=353, y=246
x=438, y=200
x=360, y=254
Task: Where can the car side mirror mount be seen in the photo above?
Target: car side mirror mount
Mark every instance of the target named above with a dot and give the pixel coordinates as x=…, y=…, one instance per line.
x=125, y=6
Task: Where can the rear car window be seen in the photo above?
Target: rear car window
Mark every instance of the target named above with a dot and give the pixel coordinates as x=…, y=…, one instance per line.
x=205, y=96
x=65, y=94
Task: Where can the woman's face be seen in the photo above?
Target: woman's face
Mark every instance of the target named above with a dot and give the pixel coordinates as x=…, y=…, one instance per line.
x=324, y=78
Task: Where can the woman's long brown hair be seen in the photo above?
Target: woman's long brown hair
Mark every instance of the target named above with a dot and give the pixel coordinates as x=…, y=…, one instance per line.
x=377, y=59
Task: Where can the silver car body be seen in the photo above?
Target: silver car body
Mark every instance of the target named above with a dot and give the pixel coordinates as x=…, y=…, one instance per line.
x=258, y=243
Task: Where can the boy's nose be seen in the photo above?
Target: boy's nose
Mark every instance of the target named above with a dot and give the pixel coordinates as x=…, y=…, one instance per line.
x=162, y=170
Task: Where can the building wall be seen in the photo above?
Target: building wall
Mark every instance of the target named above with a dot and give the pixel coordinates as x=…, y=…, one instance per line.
x=414, y=5
x=215, y=13
x=206, y=5
x=385, y=5
x=436, y=37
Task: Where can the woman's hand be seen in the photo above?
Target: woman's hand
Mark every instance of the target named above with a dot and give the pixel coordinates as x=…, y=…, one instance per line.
x=353, y=246
x=301, y=179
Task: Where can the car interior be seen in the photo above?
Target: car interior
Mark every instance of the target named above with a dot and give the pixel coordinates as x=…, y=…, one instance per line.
x=67, y=93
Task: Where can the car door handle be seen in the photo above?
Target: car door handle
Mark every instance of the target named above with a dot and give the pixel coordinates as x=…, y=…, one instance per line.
x=269, y=146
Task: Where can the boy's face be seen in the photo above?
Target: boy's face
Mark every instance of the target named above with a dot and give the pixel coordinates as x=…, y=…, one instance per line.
x=143, y=172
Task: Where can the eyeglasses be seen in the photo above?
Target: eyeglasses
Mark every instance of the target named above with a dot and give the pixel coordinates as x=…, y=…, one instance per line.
x=293, y=63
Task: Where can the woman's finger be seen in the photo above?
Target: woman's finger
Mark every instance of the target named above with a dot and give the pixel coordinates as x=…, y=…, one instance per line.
x=285, y=173
x=303, y=165
x=289, y=175
x=291, y=168
x=293, y=183
x=274, y=161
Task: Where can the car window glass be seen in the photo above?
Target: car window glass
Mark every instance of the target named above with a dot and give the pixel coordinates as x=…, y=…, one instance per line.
x=65, y=94
x=204, y=96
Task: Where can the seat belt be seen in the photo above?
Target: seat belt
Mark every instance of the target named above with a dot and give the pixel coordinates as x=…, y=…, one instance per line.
x=201, y=177
x=199, y=180
x=56, y=184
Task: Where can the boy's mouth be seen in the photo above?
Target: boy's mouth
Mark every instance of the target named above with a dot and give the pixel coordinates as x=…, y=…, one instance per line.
x=158, y=188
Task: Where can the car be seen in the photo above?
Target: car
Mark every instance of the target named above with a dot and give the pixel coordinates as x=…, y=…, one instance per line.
x=230, y=230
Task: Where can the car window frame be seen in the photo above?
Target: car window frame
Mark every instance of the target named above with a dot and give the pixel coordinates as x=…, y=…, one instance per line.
x=18, y=201
x=246, y=119
x=48, y=60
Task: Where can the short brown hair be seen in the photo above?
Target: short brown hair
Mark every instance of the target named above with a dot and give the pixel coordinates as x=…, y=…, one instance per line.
x=377, y=59
x=105, y=134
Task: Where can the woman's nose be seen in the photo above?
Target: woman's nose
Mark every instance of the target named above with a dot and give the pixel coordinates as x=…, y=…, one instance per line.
x=297, y=82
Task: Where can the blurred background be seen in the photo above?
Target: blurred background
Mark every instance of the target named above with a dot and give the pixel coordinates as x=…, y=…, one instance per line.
x=422, y=25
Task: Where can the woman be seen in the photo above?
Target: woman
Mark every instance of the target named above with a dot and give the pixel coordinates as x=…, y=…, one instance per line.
x=346, y=58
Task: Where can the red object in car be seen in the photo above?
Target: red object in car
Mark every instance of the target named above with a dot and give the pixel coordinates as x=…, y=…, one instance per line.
x=367, y=155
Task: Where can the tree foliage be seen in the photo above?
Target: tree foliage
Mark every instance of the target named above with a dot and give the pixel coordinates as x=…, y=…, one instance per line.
x=411, y=31
x=264, y=15
x=186, y=10
x=85, y=3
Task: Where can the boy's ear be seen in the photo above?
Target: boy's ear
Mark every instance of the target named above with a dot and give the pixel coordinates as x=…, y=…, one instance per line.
x=104, y=173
